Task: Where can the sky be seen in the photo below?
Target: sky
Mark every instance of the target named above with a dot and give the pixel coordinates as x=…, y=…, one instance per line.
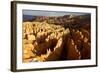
x=48, y=13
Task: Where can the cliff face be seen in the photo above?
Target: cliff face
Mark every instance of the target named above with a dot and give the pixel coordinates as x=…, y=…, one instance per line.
x=66, y=20
x=57, y=38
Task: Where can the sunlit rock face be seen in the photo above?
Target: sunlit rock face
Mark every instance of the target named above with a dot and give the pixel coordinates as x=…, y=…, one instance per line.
x=56, y=38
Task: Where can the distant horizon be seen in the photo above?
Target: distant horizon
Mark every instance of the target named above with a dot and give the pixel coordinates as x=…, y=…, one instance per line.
x=50, y=13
